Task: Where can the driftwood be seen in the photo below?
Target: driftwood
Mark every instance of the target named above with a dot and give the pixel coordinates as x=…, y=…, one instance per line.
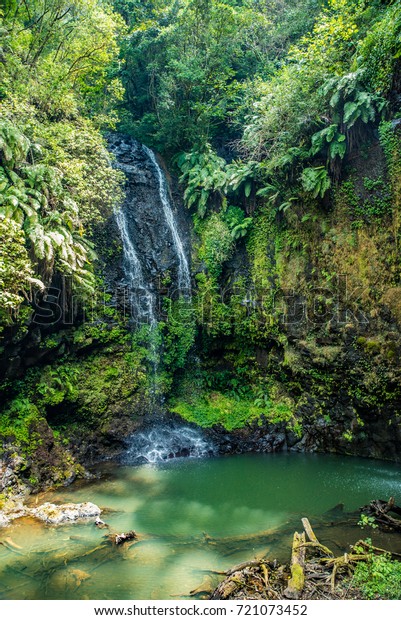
x=261, y=577
x=243, y=565
x=297, y=580
x=361, y=544
x=380, y=509
x=314, y=572
x=308, y=530
x=11, y=545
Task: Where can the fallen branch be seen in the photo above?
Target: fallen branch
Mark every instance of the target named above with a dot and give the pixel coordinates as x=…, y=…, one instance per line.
x=317, y=545
x=243, y=565
x=297, y=580
x=376, y=550
x=379, y=509
x=309, y=531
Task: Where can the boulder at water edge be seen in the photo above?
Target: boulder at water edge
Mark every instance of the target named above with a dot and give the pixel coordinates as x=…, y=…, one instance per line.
x=50, y=513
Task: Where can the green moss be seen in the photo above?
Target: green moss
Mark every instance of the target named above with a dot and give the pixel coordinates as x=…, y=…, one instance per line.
x=297, y=578
x=217, y=408
x=179, y=332
x=233, y=411
x=371, y=347
x=390, y=351
x=16, y=423
x=348, y=436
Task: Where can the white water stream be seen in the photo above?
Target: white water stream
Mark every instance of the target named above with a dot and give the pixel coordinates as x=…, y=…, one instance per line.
x=141, y=298
x=184, y=278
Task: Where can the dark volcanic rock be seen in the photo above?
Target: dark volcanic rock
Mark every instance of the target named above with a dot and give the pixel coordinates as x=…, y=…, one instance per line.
x=148, y=229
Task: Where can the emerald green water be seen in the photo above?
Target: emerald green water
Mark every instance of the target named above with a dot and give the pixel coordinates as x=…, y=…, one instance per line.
x=191, y=515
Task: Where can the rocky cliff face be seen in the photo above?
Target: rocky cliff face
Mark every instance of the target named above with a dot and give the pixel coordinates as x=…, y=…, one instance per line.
x=42, y=335
x=146, y=225
x=319, y=313
x=324, y=318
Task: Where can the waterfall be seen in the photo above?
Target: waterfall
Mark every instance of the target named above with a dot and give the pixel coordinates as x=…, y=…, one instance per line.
x=148, y=229
x=184, y=278
x=141, y=299
x=163, y=442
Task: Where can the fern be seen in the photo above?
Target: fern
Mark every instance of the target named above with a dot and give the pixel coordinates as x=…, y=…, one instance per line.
x=205, y=176
x=329, y=138
x=316, y=181
x=32, y=197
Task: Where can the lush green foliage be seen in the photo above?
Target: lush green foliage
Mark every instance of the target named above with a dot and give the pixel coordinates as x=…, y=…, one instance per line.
x=378, y=578
x=57, y=89
x=188, y=62
x=16, y=423
x=229, y=411
x=32, y=196
x=262, y=106
x=179, y=332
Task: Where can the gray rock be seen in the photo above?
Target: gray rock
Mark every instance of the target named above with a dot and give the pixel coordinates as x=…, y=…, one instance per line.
x=50, y=513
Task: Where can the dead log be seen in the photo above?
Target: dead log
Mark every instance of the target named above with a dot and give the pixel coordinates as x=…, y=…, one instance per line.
x=297, y=580
x=243, y=565
x=228, y=587
x=309, y=531
x=318, y=546
x=11, y=546
x=380, y=509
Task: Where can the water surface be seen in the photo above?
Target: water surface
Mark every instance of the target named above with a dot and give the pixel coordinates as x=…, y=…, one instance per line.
x=191, y=515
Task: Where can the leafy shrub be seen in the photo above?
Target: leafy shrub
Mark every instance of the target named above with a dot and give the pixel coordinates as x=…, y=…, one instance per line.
x=238, y=224
x=32, y=196
x=16, y=422
x=378, y=578
x=217, y=244
x=205, y=176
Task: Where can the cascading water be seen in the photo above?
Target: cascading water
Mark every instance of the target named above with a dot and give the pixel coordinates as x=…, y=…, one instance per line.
x=163, y=442
x=184, y=278
x=152, y=247
x=141, y=299
x=152, y=243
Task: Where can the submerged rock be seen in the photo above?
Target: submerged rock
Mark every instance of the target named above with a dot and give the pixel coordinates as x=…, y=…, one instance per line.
x=50, y=513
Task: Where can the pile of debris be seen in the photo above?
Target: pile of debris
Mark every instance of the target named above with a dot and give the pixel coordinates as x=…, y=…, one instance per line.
x=314, y=572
